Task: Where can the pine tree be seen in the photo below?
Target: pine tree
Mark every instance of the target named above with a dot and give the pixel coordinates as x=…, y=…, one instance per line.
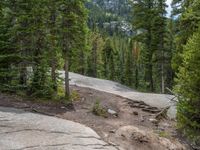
x=107, y=58
x=40, y=85
x=170, y=49
x=150, y=24
x=72, y=32
x=21, y=33
x=52, y=40
x=94, y=57
x=5, y=62
x=135, y=47
x=188, y=83
x=187, y=24
x=129, y=66
x=142, y=23
x=9, y=57
x=158, y=44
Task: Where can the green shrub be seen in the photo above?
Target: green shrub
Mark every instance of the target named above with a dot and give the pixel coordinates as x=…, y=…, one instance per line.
x=98, y=110
x=74, y=96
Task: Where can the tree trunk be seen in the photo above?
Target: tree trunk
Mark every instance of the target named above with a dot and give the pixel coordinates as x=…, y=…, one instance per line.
x=53, y=73
x=136, y=76
x=95, y=59
x=163, y=79
x=67, y=92
x=151, y=78
x=23, y=74
x=53, y=51
x=23, y=71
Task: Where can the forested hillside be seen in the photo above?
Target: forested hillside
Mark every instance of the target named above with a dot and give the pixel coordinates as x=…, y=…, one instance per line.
x=131, y=42
x=112, y=16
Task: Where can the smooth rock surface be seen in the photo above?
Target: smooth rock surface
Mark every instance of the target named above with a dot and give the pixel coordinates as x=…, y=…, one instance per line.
x=20, y=130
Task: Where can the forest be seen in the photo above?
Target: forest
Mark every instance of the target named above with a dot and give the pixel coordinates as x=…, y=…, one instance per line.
x=131, y=42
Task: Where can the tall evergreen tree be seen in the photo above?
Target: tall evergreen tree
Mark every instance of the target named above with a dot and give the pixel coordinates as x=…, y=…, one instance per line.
x=149, y=22
x=143, y=13
x=9, y=56
x=107, y=57
x=52, y=40
x=39, y=83
x=94, y=57
x=72, y=30
x=5, y=63
x=158, y=43
x=188, y=83
x=187, y=13
x=20, y=34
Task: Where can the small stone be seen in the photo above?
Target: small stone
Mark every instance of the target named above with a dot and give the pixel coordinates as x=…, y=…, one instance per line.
x=142, y=119
x=112, y=131
x=161, y=129
x=112, y=112
x=135, y=113
x=166, y=125
x=154, y=121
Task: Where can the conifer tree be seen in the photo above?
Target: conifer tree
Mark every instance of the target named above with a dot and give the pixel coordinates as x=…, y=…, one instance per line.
x=94, y=57
x=20, y=34
x=107, y=57
x=5, y=62
x=142, y=23
x=52, y=40
x=40, y=84
x=72, y=30
x=158, y=44
x=9, y=56
x=187, y=13
x=188, y=83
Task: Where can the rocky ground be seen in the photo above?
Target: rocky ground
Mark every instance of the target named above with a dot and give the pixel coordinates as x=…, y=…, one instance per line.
x=125, y=124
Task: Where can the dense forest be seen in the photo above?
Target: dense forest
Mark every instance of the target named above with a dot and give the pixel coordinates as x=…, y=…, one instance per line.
x=131, y=42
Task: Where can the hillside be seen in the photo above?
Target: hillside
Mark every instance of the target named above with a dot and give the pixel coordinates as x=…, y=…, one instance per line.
x=110, y=15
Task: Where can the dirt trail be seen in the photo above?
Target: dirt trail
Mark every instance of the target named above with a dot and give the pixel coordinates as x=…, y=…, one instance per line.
x=152, y=99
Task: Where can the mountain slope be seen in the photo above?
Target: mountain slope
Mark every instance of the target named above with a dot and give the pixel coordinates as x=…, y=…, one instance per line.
x=110, y=15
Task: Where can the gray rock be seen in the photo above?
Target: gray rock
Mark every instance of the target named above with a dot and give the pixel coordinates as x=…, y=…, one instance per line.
x=112, y=112
x=24, y=130
x=135, y=113
x=154, y=121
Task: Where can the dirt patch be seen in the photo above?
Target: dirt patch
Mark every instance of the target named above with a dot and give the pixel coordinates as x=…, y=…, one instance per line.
x=129, y=113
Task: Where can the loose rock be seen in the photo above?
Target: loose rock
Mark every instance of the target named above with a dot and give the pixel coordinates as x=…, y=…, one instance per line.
x=112, y=112
x=135, y=113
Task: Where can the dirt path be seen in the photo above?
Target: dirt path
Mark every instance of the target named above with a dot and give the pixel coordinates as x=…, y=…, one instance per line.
x=132, y=128
x=152, y=99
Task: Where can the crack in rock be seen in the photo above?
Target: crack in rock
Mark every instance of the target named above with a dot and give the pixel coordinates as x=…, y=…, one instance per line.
x=87, y=145
x=63, y=144
x=5, y=126
x=39, y=130
x=5, y=120
x=87, y=137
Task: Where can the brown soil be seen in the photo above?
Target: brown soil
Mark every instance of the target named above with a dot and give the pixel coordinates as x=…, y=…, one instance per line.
x=129, y=113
